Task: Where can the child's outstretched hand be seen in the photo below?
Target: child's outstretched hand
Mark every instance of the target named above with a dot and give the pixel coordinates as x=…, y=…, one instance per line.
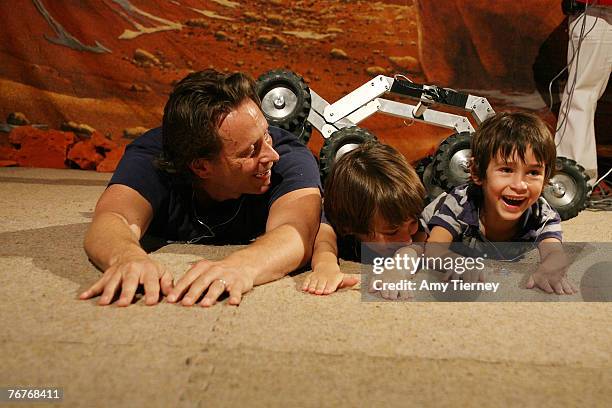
x=551, y=273
x=392, y=276
x=551, y=282
x=326, y=278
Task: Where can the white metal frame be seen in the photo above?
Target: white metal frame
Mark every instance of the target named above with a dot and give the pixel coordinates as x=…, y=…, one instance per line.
x=365, y=101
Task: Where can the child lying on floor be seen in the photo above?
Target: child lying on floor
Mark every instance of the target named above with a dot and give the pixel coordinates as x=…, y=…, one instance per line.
x=371, y=195
x=513, y=157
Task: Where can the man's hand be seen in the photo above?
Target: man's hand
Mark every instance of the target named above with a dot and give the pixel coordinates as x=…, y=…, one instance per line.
x=112, y=244
x=218, y=277
x=127, y=274
x=327, y=278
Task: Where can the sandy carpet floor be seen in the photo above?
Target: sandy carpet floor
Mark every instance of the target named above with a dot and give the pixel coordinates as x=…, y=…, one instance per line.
x=280, y=347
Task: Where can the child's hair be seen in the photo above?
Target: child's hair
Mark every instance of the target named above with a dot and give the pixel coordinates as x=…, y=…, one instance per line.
x=372, y=180
x=507, y=134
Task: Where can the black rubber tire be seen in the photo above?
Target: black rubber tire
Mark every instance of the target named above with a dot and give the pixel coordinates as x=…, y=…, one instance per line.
x=421, y=165
x=304, y=132
x=346, y=136
x=424, y=169
x=573, y=197
x=296, y=102
x=450, y=158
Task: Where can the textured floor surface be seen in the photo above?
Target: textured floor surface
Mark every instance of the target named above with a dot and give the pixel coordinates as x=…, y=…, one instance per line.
x=280, y=347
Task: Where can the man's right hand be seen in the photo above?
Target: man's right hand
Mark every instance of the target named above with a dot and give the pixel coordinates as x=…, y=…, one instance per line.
x=127, y=274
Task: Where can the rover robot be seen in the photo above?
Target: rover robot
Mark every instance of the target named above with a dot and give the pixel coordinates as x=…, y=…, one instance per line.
x=289, y=103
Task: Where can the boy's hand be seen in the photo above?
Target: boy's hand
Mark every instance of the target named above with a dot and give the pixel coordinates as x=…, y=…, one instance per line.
x=327, y=278
x=392, y=276
x=551, y=281
x=395, y=276
x=551, y=273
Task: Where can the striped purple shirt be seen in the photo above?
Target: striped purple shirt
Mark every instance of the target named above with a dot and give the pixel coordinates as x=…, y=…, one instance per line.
x=458, y=213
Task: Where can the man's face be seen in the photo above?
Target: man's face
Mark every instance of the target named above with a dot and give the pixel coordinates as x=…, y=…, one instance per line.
x=511, y=187
x=245, y=161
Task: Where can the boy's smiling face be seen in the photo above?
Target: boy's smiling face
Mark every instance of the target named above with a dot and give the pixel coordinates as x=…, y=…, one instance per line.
x=511, y=186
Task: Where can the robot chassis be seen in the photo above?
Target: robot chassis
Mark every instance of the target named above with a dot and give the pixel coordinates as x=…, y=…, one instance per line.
x=287, y=102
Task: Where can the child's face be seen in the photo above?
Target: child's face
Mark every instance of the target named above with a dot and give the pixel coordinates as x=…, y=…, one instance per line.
x=511, y=187
x=385, y=233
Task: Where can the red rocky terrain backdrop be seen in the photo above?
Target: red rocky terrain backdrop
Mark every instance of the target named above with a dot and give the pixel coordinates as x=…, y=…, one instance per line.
x=80, y=78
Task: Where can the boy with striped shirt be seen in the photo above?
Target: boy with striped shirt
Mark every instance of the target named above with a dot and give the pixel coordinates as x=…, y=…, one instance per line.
x=513, y=157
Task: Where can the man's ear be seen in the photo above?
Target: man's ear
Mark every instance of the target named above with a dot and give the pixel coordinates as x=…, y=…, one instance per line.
x=201, y=168
x=474, y=173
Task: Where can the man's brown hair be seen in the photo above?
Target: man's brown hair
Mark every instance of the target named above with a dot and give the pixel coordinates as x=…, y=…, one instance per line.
x=195, y=108
x=507, y=134
x=372, y=180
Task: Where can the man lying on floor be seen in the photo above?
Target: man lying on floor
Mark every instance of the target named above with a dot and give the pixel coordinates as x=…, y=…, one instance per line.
x=214, y=173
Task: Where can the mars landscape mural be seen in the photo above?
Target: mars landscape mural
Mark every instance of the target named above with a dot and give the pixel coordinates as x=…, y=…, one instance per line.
x=80, y=79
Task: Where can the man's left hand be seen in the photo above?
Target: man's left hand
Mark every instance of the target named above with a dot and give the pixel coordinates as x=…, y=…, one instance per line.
x=215, y=276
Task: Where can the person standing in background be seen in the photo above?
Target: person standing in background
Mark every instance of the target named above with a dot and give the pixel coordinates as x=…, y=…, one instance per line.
x=589, y=58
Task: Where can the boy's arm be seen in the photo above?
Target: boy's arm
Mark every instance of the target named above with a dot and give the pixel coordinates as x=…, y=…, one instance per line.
x=441, y=239
x=325, y=247
x=326, y=276
x=551, y=273
x=439, y=234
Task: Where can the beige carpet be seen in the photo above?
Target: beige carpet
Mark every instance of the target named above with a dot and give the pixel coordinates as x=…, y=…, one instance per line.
x=280, y=347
